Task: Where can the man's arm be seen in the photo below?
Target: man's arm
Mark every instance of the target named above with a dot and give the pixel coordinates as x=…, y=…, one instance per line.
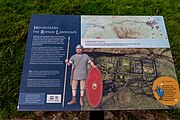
x=92, y=64
x=67, y=62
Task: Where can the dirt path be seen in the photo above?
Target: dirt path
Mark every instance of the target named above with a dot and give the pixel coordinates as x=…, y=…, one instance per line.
x=108, y=115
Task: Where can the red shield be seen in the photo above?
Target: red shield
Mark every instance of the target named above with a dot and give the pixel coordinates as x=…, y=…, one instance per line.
x=94, y=87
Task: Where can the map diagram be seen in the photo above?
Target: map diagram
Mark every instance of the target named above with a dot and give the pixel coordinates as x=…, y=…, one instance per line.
x=123, y=27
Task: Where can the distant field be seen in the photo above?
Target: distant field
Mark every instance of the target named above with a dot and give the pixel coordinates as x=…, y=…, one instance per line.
x=14, y=22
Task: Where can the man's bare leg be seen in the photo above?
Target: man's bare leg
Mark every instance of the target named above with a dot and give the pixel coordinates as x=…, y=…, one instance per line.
x=74, y=89
x=82, y=87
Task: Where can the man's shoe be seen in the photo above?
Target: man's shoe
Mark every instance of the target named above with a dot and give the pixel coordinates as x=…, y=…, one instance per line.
x=82, y=100
x=73, y=101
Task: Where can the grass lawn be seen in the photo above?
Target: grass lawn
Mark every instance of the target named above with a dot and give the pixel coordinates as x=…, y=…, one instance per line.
x=14, y=22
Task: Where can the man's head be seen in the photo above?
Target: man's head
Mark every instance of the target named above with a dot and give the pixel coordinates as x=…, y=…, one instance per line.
x=79, y=49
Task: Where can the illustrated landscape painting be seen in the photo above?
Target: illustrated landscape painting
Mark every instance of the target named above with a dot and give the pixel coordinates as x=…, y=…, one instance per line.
x=128, y=76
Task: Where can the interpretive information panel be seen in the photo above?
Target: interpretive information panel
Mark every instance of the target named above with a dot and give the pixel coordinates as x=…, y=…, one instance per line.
x=75, y=62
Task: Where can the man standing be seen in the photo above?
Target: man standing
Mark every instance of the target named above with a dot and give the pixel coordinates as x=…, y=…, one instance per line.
x=79, y=63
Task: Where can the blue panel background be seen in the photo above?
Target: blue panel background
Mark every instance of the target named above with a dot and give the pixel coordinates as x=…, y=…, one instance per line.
x=65, y=23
